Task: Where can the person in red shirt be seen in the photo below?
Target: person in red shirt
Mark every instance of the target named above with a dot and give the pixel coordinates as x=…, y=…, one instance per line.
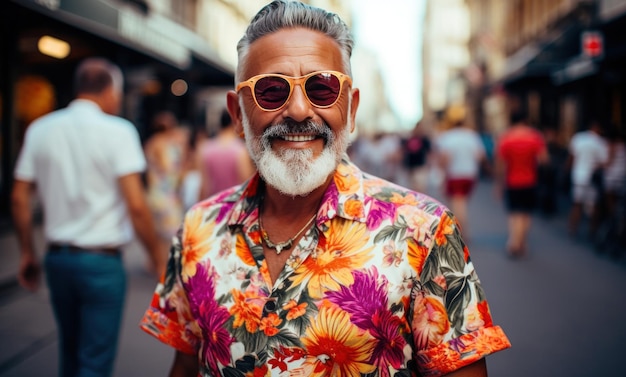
x=519, y=152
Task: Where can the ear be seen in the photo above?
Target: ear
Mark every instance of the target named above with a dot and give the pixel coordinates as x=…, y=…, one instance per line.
x=355, y=97
x=232, y=104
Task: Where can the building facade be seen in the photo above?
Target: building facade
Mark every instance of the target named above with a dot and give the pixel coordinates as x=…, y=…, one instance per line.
x=563, y=61
x=446, y=57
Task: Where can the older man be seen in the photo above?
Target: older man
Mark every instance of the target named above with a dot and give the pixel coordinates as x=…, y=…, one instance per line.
x=313, y=268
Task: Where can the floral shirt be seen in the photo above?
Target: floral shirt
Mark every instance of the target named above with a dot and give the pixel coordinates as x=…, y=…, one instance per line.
x=382, y=285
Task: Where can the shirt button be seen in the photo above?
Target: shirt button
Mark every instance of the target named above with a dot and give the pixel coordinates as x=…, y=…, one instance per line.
x=270, y=306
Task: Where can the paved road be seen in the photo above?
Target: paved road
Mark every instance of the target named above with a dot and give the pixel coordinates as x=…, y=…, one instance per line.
x=562, y=308
x=29, y=343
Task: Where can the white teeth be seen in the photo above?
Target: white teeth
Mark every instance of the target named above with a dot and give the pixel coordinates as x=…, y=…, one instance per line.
x=299, y=137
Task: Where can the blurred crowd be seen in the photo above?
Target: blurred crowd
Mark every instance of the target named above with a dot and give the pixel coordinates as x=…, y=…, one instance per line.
x=184, y=167
x=581, y=179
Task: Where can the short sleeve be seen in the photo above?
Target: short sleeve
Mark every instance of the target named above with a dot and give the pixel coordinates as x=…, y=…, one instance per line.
x=168, y=318
x=128, y=157
x=25, y=165
x=451, y=321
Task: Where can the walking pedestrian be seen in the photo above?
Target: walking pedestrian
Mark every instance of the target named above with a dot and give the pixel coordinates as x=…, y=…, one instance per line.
x=312, y=267
x=223, y=161
x=615, y=170
x=166, y=152
x=461, y=153
x=85, y=164
x=416, y=150
x=588, y=153
x=611, y=235
x=520, y=150
x=552, y=174
x=192, y=180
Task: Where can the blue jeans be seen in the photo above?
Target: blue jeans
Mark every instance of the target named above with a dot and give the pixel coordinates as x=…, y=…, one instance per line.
x=87, y=292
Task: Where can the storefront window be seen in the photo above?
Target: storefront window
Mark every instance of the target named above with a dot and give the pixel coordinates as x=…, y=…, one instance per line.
x=34, y=97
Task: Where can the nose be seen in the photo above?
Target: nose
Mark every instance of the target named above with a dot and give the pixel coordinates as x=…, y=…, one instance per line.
x=298, y=108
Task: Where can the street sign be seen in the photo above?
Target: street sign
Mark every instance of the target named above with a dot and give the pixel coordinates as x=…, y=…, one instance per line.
x=592, y=44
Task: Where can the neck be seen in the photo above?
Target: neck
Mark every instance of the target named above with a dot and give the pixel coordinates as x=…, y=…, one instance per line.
x=277, y=204
x=95, y=98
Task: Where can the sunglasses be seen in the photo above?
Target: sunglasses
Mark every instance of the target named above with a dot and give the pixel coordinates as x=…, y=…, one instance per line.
x=272, y=91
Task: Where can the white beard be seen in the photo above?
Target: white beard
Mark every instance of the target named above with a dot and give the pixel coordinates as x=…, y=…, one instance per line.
x=295, y=172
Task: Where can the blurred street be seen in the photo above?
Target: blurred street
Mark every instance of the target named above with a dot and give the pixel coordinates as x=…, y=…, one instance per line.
x=562, y=308
x=27, y=329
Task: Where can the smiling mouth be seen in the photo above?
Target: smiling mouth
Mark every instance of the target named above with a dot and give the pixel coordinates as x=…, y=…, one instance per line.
x=296, y=138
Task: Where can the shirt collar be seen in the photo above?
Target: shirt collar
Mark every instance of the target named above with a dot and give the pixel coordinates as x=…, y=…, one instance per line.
x=344, y=197
x=85, y=103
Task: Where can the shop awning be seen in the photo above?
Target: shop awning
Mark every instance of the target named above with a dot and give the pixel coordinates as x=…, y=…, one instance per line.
x=147, y=33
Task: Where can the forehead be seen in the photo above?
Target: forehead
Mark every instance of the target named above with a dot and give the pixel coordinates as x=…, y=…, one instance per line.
x=294, y=52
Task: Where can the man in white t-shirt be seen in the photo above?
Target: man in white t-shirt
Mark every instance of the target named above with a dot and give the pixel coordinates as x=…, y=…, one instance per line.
x=85, y=164
x=589, y=152
x=460, y=152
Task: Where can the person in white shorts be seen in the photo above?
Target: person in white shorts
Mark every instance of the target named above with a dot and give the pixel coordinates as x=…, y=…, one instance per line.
x=588, y=154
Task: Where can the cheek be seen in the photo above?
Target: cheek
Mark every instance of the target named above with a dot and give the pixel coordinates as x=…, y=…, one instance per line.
x=338, y=118
x=257, y=118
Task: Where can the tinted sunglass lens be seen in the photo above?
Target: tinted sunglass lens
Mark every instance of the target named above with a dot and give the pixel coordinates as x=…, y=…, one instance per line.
x=271, y=92
x=323, y=89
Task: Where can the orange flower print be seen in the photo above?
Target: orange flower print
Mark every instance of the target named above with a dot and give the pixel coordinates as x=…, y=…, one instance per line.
x=441, y=361
x=347, y=182
x=196, y=240
x=270, y=323
x=462, y=351
x=417, y=255
x=264, y=271
x=243, y=251
x=246, y=311
x=416, y=221
x=490, y=339
x=485, y=314
x=337, y=256
x=409, y=199
x=336, y=347
x=446, y=227
x=295, y=310
x=255, y=236
x=430, y=321
x=166, y=331
x=353, y=208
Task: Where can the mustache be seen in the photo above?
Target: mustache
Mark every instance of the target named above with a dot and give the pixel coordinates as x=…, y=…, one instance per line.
x=291, y=127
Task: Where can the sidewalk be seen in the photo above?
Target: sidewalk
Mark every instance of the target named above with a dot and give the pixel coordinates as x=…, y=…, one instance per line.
x=28, y=331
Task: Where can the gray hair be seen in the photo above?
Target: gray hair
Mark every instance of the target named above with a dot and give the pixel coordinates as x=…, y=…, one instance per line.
x=94, y=75
x=280, y=14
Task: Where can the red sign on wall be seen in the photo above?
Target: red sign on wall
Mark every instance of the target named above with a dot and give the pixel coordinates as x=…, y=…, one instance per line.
x=592, y=44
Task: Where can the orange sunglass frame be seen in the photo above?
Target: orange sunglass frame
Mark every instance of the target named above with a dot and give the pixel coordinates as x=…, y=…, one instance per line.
x=293, y=81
